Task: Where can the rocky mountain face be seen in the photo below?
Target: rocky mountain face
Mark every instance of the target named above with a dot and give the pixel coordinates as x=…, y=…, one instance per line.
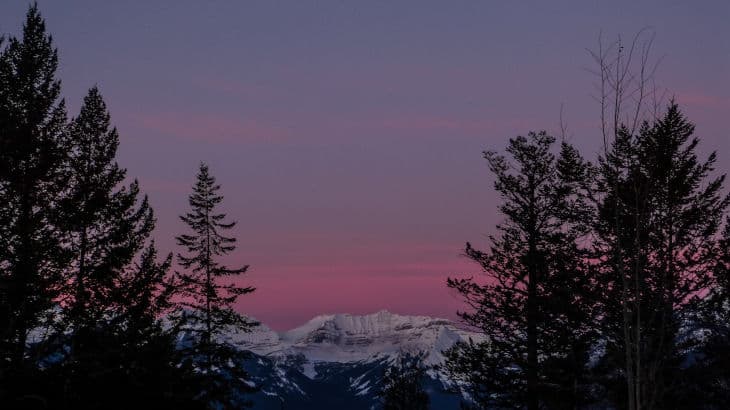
x=336, y=361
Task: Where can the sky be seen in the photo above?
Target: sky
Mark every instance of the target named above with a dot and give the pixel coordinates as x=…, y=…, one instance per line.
x=348, y=135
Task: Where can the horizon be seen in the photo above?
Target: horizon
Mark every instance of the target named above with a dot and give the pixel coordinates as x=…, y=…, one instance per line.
x=381, y=311
x=347, y=137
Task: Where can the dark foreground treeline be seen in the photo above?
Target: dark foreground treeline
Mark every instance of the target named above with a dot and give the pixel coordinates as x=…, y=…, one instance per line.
x=607, y=285
x=82, y=288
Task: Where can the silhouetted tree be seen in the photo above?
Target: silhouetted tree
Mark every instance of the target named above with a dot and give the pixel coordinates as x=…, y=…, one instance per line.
x=143, y=295
x=70, y=231
x=403, y=384
x=32, y=123
x=533, y=306
x=712, y=376
x=104, y=224
x=149, y=374
x=473, y=372
x=129, y=358
x=112, y=308
x=655, y=239
x=628, y=96
x=207, y=300
x=706, y=368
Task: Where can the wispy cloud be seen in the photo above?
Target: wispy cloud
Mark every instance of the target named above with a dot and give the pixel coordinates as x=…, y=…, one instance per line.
x=212, y=128
x=452, y=124
x=702, y=100
x=151, y=184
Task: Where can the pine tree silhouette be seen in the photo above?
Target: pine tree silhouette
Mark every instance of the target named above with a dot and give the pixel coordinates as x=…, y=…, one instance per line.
x=147, y=356
x=104, y=224
x=32, y=123
x=705, y=381
x=207, y=299
x=658, y=216
x=403, y=384
x=533, y=305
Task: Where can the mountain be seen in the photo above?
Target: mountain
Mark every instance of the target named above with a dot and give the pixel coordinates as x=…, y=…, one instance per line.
x=336, y=361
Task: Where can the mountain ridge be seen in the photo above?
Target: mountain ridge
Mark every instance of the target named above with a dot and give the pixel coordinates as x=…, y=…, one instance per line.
x=336, y=361
x=344, y=337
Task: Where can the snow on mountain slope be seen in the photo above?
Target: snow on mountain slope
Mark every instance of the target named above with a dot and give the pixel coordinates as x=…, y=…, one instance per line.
x=348, y=338
x=337, y=361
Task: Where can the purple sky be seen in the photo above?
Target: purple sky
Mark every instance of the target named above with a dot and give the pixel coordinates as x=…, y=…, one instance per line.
x=347, y=135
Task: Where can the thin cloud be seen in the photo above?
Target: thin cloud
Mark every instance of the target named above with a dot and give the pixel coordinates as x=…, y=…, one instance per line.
x=703, y=100
x=212, y=128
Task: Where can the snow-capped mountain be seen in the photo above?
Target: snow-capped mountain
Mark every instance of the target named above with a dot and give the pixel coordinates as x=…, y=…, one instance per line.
x=348, y=338
x=337, y=360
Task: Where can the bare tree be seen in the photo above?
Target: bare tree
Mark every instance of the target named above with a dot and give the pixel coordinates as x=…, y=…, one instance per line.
x=627, y=95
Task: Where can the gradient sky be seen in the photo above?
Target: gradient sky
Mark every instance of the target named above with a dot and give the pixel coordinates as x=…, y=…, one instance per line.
x=347, y=135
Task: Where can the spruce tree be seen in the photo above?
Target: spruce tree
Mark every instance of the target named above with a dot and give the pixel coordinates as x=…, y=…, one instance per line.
x=130, y=359
x=534, y=304
x=113, y=306
x=709, y=377
x=148, y=375
x=706, y=372
x=209, y=293
x=143, y=295
x=658, y=217
x=105, y=223
x=403, y=384
x=32, y=124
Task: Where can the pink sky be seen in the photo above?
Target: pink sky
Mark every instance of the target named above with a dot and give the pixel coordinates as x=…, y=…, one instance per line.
x=347, y=136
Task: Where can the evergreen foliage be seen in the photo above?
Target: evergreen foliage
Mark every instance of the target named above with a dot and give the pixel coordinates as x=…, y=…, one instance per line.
x=534, y=305
x=69, y=233
x=129, y=359
x=111, y=308
x=403, y=384
x=708, y=378
x=144, y=296
x=105, y=224
x=209, y=293
x=656, y=227
x=32, y=126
